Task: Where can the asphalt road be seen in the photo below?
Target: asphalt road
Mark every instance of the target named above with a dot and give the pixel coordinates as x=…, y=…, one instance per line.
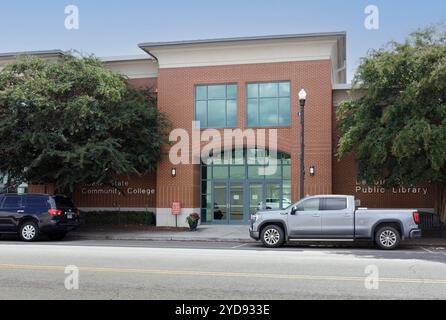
x=217, y=271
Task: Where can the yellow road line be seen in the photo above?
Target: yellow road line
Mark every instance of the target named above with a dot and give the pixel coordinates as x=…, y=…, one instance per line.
x=217, y=274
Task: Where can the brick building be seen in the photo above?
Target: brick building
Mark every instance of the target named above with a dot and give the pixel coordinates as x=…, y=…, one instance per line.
x=244, y=83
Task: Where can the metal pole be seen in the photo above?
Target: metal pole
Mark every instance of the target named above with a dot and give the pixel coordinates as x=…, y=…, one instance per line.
x=302, y=149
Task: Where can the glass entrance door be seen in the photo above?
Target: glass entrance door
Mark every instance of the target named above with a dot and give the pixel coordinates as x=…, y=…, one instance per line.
x=220, y=196
x=267, y=195
x=237, y=202
x=255, y=197
x=229, y=203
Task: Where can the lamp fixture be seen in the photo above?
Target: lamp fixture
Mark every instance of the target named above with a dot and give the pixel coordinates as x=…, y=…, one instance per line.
x=312, y=171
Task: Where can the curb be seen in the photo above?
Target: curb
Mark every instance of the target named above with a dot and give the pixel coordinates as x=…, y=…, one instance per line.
x=239, y=240
x=183, y=239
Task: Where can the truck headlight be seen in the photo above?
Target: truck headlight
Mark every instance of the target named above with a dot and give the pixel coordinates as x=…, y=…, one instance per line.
x=254, y=217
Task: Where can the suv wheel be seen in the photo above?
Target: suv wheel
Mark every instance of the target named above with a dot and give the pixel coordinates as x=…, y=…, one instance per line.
x=29, y=231
x=272, y=236
x=388, y=238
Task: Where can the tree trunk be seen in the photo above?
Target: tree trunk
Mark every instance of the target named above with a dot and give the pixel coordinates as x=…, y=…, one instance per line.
x=440, y=206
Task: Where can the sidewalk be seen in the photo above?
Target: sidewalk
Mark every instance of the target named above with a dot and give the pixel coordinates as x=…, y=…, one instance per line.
x=210, y=233
x=225, y=233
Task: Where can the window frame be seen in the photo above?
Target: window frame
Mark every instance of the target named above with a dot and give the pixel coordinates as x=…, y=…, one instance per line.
x=20, y=203
x=301, y=205
x=226, y=99
x=325, y=204
x=259, y=98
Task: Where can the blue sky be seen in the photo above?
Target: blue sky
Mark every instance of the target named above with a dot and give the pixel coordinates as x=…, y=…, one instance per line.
x=114, y=27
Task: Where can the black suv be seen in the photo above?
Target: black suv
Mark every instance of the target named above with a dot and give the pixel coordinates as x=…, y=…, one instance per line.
x=31, y=215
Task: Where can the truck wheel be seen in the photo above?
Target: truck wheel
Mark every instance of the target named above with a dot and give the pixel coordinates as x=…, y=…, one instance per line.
x=29, y=231
x=388, y=238
x=272, y=236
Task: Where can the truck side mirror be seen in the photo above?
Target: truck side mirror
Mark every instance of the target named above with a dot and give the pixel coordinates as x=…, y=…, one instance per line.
x=294, y=210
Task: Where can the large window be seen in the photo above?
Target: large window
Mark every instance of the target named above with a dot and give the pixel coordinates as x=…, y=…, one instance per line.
x=262, y=189
x=216, y=105
x=268, y=104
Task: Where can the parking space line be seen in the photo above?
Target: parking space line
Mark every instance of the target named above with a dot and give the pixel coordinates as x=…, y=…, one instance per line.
x=239, y=246
x=427, y=250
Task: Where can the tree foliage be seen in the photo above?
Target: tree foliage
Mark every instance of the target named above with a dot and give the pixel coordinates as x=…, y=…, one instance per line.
x=397, y=130
x=72, y=121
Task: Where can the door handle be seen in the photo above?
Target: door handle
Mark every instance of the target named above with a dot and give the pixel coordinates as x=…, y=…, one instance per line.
x=316, y=216
x=20, y=211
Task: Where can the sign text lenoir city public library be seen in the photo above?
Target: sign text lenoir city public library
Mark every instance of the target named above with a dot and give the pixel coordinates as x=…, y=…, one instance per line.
x=378, y=187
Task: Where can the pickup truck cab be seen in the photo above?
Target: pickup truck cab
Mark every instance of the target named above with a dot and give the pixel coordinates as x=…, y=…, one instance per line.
x=334, y=218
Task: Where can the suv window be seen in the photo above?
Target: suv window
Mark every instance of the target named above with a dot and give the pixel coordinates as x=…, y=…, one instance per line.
x=63, y=202
x=37, y=201
x=335, y=204
x=309, y=205
x=12, y=202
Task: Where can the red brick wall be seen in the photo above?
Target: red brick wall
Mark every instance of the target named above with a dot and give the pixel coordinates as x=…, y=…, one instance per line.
x=176, y=98
x=134, y=192
x=344, y=182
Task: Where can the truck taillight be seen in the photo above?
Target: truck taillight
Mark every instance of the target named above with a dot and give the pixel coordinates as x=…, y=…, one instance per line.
x=55, y=212
x=78, y=212
x=416, y=217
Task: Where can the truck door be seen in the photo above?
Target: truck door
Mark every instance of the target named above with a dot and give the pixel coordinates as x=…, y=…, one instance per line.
x=305, y=221
x=337, y=218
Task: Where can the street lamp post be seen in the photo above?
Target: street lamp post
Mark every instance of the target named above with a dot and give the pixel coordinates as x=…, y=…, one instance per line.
x=302, y=100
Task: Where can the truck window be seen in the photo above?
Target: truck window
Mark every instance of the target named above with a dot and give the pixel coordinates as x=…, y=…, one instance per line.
x=309, y=205
x=335, y=204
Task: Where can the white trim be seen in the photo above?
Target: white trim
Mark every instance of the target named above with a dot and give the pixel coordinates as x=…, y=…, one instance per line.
x=164, y=217
x=271, y=51
x=126, y=58
x=134, y=69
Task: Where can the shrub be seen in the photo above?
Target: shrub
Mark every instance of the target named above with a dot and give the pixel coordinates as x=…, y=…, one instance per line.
x=118, y=218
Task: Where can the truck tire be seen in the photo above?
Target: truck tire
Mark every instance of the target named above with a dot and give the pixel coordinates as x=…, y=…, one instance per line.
x=272, y=236
x=387, y=238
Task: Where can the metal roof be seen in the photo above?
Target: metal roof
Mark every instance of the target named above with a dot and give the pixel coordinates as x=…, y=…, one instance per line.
x=242, y=39
x=33, y=53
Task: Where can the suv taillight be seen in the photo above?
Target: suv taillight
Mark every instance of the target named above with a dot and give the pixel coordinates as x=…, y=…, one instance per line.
x=55, y=212
x=416, y=217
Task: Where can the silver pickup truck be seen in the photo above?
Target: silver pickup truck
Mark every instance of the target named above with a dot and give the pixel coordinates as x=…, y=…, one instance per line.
x=332, y=218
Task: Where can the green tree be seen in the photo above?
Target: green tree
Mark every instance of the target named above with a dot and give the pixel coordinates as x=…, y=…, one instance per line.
x=397, y=129
x=72, y=121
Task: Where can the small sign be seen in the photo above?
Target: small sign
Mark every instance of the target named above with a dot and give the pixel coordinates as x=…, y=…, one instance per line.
x=176, y=208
